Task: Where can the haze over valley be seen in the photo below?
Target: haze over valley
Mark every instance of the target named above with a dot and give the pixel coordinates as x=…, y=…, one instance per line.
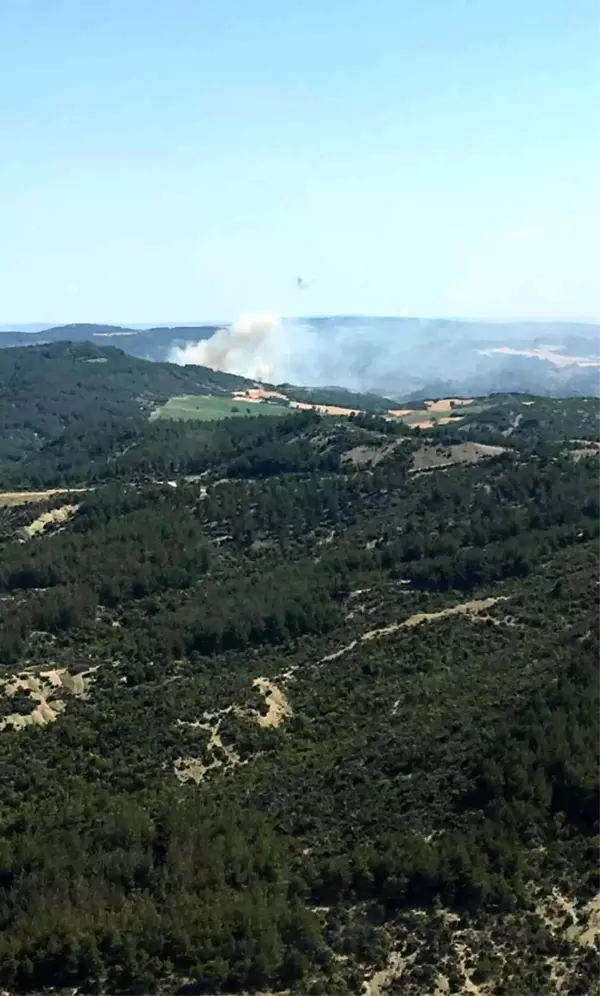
x=402, y=358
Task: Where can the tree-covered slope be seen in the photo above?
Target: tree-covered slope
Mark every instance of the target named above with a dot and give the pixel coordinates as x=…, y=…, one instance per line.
x=320, y=713
x=52, y=396
x=45, y=389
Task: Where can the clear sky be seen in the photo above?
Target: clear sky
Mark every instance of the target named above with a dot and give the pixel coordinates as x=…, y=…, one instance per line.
x=182, y=160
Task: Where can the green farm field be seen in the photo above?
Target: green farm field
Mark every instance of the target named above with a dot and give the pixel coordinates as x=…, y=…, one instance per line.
x=208, y=407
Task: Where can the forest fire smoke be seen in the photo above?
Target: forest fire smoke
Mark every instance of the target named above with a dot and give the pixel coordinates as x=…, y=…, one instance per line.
x=247, y=347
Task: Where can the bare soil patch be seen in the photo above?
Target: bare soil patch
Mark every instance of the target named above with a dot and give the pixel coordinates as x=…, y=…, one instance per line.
x=472, y=608
x=443, y=404
x=193, y=769
x=53, y=517
x=379, y=981
x=584, y=448
x=279, y=708
x=362, y=456
x=429, y=457
x=48, y=691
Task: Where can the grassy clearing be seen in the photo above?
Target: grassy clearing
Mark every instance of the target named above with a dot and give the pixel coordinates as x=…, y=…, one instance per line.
x=209, y=407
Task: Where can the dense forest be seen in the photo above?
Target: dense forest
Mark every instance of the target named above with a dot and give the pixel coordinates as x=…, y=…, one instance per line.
x=303, y=704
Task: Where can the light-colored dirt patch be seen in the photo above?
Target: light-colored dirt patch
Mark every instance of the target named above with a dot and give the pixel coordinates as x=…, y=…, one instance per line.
x=193, y=769
x=529, y=402
x=53, y=517
x=362, y=456
x=467, y=985
x=400, y=412
x=190, y=769
x=585, y=448
x=338, y=653
x=429, y=457
x=585, y=923
x=585, y=453
x=380, y=981
x=48, y=691
x=218, y=754
x=472, y=608
x=25, y=497
x=279, y=708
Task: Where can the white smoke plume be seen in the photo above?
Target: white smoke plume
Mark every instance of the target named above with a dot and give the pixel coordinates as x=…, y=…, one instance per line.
x=392, y=356
x=248, y=347
x=268, y=348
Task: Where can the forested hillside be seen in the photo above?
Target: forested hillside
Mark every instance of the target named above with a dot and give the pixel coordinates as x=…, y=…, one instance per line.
x=46, y=389
x=302, y=704
x=67, y=407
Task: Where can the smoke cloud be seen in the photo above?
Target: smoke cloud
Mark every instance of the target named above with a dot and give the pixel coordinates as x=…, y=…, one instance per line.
x=392, y=356
x=314, y=352
x=248, y=348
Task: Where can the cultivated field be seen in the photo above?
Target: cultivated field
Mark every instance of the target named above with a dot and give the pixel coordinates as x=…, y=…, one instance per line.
x=208, y=408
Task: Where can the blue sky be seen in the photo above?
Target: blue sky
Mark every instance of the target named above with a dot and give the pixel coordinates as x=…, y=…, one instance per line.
x=181, y=160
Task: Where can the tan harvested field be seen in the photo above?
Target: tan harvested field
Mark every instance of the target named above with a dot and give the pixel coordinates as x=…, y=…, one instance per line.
x=428, y=414
x=324, y=409
x=444, y=404
x=24, y=497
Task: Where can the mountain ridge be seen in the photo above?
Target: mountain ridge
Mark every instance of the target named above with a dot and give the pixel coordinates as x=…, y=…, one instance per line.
x=392, y=356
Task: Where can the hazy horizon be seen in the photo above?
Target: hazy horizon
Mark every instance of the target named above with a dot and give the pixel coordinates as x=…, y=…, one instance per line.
x=201, y=322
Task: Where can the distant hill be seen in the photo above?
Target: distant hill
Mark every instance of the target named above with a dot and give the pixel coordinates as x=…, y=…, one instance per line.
x=401, y=358
x=154, y=343
x=47, y=391
x=44, y=389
